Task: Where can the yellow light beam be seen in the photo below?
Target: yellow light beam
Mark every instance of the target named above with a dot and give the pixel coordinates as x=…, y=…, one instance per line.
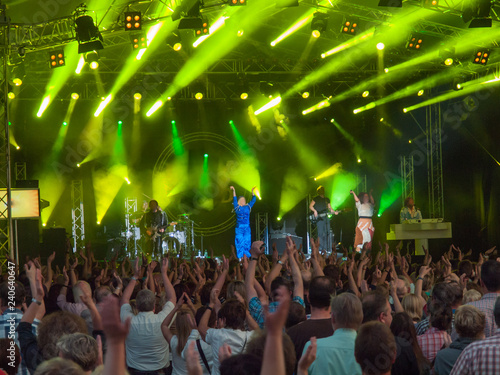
x=271, y=104
x=307, y=17
x=103, y=105
x=213, y=28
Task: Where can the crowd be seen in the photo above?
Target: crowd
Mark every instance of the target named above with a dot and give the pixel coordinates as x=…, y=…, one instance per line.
x=369, y=313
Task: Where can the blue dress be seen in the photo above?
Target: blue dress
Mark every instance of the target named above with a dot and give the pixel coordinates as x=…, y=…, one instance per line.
x=243, y=237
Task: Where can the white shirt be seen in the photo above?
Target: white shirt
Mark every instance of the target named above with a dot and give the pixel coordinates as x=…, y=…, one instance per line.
x=207, y=350
x=146, y=348
x=364, y=209
x=235, y=338
x=179, y=366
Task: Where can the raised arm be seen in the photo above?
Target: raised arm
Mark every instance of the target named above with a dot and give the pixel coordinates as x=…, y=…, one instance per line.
x=213, y=304
x=165, y=325
x=127, y=293
x=311, y=207
x=35, y=278
x=222, y=277
x=298, y=285
x=372, y=201
x=275, y=271
x=94, y=313
x=318, y=271
x=356, y=199
x=50, y=272
x=169, y=289
x=255, y=252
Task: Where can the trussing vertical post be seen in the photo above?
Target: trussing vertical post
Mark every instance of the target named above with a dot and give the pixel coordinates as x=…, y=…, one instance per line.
x=407, y=178
x=20, y=171
x=434, y=161
x=262, y=229
x=77, y=214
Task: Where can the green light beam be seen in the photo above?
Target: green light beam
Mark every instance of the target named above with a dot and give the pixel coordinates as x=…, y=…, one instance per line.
x=243, y=146
x=176, y=140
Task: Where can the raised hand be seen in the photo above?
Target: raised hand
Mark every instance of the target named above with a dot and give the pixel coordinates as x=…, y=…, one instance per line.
x=193, y=360
x=66, y=277
x=224, y=352
x=115, y=330
x=308, y=358
x=257, y=249
x=51, y=257
x=276, y=321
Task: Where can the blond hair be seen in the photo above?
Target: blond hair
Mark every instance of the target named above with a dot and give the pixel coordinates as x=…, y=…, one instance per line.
x=469, y=321
x=413, y=306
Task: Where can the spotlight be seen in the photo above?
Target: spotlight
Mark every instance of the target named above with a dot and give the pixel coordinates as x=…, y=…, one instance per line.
x=203, y=30
x=11, y=95
x=92, y=58
x=205, y=155
x=305, y=94
x=448, y=61
x=278, y=218
x=174, y=40
x=447, y=55
x=350, y=26
x=65, y=123
x=133, y=21
x=457, y=84
x=359, y=160
x=316, y=34
x=380, y=46
x=87, y=34
x=481, y=57
x=319, y=23
x=234, y=3
x=244, y=96
x=430, y=3
x=386, y=70
x=414, y=43
x=240, y=33
x=57, y=59
x=139, y=41
x=17, y=81
x=17, y=74
x=75, y=96
x=420, y=92
x=365, y=94
x=137, y=96
x=390, y=3
x=198, y=96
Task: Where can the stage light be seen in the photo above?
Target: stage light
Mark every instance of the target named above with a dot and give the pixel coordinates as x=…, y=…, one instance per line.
x=92, y=58
x=17, y=81
x=198, y=96
x=57, y=59
x=365, y=94
x=405, y=110
x=380, y=46
x=65, y=123
x=137, y=96
x=174, y=40
x=139, y=41
x=381, y=119
x=359, y=160
x=154, y=108
x=386, y=70
x=18, y=147
x=420, y=92
x=271, y=104
x=390, y=3
x=292, y=29
x=410, y=141
x=177, y=47
x=350, y=26
x=133, y=21
x=75, y=96
x=120, y=122
x=127, y=180
x=305, y=94
x=240, y=33
x=415, y=43
x=447, y=55
x=11, y=95
x=234, y=3
x=43, y=106
x=81, y=64
x=203, y=30
x=244, y=96
x=44, y=224
x=379, y=215
x=430, y=3
x=278, y=218
x=87, y=33
x=98, y=223
x=205, y=156
x=78, y=165
x=103, y=105
x=481, y=57
x=319, y=23
x=448, y=61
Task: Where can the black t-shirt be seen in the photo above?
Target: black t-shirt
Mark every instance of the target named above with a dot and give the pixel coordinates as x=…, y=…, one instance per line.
x=321, y=204
x=302, y=333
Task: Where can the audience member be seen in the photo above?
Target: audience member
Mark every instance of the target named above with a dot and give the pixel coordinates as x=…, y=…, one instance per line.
x=375, y=348
x=436, y=337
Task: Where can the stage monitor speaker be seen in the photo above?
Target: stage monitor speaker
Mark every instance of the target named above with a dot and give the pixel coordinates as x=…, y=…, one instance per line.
x=280, y=240
x=54, y=239
x=28, y=238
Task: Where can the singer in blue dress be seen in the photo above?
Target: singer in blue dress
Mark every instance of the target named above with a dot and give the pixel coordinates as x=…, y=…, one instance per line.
x=243, y=237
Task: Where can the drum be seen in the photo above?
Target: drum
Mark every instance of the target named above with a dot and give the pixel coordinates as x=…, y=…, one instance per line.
x=179, y=235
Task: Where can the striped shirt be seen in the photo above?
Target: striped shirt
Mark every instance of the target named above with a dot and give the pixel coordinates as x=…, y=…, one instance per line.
x=481, y=357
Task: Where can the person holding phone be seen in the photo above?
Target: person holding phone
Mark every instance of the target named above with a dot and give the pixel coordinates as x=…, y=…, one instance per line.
x=243, y=233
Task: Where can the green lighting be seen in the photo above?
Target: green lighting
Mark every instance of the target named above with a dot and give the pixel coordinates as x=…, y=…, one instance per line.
x=173, y=122
x=206, y=155
x=380, y=46
x=389, y=196
x=271, y=104
x=242, y=144
x=154, y=108
x=295, y=27
x=43, y=106
x=103, y=105
x=213, y=28
x=322, y=104
x=10, y=123
x=176, y=141
x=81, y=64
x=205, y=176
x=120, y=122
x=65, y=123
x=278, y=218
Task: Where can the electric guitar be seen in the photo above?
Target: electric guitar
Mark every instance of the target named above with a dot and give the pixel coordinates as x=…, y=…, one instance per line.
x=324, y=215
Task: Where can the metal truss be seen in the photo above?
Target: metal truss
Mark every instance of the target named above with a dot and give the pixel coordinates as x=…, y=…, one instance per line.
x=312, y=229
x=407, y=178
x=134, y=246
x=262, y=229
x=455, y=7
x=20, y=171
x=77, y=215
x=434, y=160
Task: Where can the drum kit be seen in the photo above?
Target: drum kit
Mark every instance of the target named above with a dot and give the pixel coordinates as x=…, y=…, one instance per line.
x=179, y=233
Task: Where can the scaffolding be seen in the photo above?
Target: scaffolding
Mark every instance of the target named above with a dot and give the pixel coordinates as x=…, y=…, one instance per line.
x=20, y=171
x=434, y=161
x=78, y=223
x=132, y=234
x=407, y=178
x=262, y=229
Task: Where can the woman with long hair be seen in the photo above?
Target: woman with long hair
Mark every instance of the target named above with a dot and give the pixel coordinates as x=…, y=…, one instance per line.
x=364, y=229
x=402, y=326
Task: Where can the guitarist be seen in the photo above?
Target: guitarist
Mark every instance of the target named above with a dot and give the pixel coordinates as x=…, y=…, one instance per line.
x=320, y=207
x=154, y=222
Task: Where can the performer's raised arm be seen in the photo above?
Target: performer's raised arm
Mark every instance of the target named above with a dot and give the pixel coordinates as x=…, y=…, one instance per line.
x=356, y=199
x=372, y=201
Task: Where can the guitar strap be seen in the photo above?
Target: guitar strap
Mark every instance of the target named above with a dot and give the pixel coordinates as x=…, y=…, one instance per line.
x=202, y=355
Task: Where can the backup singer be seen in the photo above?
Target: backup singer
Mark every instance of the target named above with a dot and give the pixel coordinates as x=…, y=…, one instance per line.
x=364, y=229
x=321, y=207
x=243, y=235
x=154, y=223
